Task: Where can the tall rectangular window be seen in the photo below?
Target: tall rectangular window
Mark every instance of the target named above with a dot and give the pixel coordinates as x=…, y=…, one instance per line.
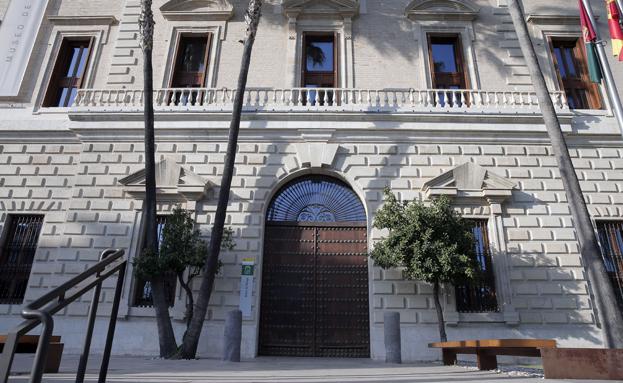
x=479, y=296
x=191, y=61
x=69, y=72
x=611, y=239
x=319, y=66
x=572, y=72
x=446, y=62
x=447, y=68
x=142, y=290
x=190, y=68
x=17, y=255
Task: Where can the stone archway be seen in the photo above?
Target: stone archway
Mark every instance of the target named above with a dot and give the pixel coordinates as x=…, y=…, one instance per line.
x=315, y=272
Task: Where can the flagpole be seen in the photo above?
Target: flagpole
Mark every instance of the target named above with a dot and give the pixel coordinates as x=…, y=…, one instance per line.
x=613, y=94
x=620, y=4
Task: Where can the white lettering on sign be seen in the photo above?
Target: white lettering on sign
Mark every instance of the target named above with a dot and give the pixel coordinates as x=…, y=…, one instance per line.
x=18, y=33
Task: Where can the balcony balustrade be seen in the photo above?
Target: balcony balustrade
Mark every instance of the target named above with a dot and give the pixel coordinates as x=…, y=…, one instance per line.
x=329, y=100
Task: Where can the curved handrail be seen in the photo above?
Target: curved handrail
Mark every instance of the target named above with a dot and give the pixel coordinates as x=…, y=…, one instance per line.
x=41, y=311
x=106, y=258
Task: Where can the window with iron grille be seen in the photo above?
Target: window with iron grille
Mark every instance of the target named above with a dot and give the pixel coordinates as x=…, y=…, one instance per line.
x=17, y=255
x=142, y=290
x=611, y=239
x=480, y=296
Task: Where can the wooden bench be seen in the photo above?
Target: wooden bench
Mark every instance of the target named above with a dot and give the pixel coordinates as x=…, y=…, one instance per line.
x=28, y=345
x=487, y=350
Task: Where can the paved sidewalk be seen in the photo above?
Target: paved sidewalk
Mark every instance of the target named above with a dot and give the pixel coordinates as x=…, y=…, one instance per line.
x=290, y=370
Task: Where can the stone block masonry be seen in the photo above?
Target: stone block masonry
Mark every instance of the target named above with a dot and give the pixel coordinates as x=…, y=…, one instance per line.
x=67, y=164
x=86, y=210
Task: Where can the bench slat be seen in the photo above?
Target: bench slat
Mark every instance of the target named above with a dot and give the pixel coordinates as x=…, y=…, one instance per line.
x=512, y=351
x=496, y=343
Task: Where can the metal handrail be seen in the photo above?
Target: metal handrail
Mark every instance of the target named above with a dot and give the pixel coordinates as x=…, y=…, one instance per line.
x=41, y=311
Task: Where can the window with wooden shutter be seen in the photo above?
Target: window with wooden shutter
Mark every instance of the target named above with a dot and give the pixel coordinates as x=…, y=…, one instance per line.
x=190, y=69
x=479, y=296
x=572, y=73
x=142, y=288
x=69, y=72
x=447, y=66
x=319, y=68
x=17, y=255
x=191, y=61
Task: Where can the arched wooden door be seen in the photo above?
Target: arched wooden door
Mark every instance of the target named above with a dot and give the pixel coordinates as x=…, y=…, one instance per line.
x=315, y=272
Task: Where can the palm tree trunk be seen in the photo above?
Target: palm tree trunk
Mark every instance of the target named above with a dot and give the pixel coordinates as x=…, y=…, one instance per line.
x=440, y=321
x=166, y=336
x=603, y=293
x=191, y=338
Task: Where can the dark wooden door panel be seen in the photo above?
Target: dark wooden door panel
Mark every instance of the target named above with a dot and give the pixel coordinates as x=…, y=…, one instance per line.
x=286, y=320
x=315, y=292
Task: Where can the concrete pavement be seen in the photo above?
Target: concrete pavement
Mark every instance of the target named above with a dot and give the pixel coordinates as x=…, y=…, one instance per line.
x=290, y=370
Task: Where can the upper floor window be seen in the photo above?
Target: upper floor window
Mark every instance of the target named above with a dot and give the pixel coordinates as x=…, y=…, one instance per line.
x=319, y=60
x=191, y=61
x=446, y=62
x=479, y=296
x=611, y=239
x=572, y=72
x=69, y=72
x=143, y=290
x=319, y=67
x=17, y=255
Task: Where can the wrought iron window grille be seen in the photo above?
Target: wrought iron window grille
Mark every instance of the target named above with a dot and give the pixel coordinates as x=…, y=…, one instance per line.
x=17, y=255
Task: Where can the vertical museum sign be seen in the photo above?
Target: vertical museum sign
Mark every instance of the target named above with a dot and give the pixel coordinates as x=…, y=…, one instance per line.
x=246, y=286
x=18, y=32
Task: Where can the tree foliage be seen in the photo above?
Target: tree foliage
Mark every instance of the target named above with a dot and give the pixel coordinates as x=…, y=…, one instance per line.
x=182, y=252
x=431, y=242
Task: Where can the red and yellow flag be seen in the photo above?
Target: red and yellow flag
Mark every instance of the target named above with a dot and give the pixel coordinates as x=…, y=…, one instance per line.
x=589, y=34
x=616, y=34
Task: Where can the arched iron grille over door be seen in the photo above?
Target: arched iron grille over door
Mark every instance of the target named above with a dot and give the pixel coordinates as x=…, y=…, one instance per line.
x=316, y=199
x=315, y=272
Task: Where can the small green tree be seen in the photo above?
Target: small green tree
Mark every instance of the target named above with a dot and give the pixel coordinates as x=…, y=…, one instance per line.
x=182, y=252
x=432, y=243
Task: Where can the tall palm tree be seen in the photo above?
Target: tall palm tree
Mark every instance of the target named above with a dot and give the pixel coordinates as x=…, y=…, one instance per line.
x=604, y=296
x=191, y=337
x=166, y=336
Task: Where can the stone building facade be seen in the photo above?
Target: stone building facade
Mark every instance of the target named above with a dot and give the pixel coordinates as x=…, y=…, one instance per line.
x=379, y=123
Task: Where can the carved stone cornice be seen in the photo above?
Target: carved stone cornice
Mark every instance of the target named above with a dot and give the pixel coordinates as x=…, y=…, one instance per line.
x=470, y=181
x=320, y=8
x=197, y=10
x=83, y=20
x=441, y=10
x=173, y=183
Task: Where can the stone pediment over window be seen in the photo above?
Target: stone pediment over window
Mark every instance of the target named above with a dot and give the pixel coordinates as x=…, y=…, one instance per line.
x=322, y=8
x=441, y=10
x=470, y=181
x=173, y=183
x=197, y=10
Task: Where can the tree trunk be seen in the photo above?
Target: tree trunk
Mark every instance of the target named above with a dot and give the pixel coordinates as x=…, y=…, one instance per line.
x=189, y=295
x=441, y=322
x=166, y=336
x=603, y=293
x=191, y=338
